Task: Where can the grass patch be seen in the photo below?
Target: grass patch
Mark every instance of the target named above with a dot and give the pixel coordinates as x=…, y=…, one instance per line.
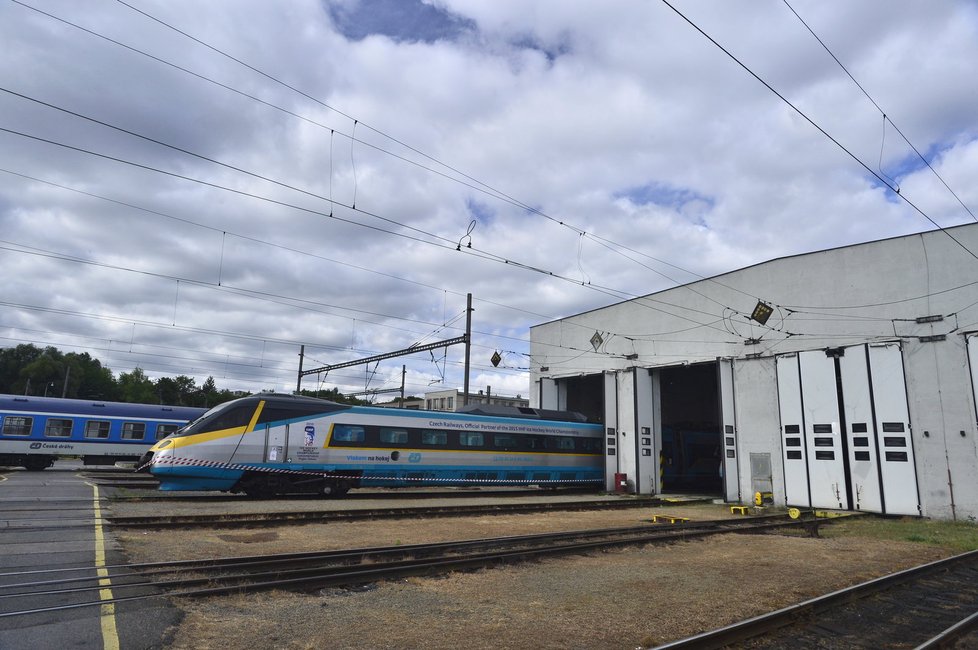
x=957, y=536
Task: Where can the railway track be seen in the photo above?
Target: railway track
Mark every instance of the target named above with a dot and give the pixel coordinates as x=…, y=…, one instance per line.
x=930, y=606
x=44, y=591
x=327, y=516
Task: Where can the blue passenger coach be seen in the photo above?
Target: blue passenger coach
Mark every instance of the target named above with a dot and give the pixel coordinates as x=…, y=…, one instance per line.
x=34, y=431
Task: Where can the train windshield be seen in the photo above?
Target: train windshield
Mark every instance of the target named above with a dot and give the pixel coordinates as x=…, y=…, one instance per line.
x=236, y=413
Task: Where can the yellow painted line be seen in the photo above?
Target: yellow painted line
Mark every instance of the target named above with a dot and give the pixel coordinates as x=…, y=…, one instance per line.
x=110, y=635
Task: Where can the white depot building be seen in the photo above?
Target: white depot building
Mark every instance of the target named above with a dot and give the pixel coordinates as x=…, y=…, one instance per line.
x=858, y=392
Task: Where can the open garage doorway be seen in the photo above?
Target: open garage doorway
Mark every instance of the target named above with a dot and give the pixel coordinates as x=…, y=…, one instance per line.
x=692, y=443
x=586, y=395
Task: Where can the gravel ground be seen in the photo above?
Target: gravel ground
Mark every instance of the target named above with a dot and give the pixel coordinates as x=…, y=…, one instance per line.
x=623, y=598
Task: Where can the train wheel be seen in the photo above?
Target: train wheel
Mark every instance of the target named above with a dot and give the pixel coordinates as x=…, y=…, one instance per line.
x=332, y=489
x=261, y=487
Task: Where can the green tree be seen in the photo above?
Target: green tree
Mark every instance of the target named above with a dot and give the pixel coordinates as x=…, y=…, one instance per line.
x=87, y=379
x=206, y=396
x=45, y=374
x=12, y=361
x=176, y=391
x=136, y=387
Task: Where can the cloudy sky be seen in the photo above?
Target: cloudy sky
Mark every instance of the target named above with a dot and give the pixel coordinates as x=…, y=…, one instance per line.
x=200, y=188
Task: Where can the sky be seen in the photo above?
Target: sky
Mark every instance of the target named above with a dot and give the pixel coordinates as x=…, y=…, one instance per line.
x=202, y=189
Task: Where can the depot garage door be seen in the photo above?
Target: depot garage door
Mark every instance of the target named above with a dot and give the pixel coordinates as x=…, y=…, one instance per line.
x=845, y=430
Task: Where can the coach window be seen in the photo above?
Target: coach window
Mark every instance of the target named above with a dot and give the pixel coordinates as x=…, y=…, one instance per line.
x=470, y=439
x=57, y=428
x=163, y=430
x=393, y=436
x=96, y=429
x=591, y=445
x=17, y=425
x=133, y=430
x=505, y=441
x=565, y=444
x=348, y=433
x=434, y=438
x=536, y=443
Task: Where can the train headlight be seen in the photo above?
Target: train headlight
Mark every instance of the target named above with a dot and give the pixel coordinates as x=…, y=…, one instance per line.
x=162, y=444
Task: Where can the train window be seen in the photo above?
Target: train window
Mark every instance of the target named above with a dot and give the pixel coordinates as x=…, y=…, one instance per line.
x=58, y=428
x=97, y=429
x=348, y=433
x=470, y=439
x=278, y=412
x=565, y=443
x=594, y=446
x=163, y=430
x=431, y=437
x=536, y=443
x=393, y=436
x=17, y=425
x=133, y=430
x=239, y=416
x=223, y=416
x=505, y=441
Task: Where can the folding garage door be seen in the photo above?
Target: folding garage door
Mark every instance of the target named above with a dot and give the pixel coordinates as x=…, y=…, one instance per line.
x=731, y=473
x=846, y=438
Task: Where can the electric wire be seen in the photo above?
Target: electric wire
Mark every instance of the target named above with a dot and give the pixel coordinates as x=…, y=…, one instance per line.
x=819, y=128
x=540, y=270
x=886, y=118
x=498, y=194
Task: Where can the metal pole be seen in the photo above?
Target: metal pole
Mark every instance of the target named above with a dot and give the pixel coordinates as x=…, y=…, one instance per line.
x=298, y=381
x=64, y=391
x=403, y=374
x=468, y=345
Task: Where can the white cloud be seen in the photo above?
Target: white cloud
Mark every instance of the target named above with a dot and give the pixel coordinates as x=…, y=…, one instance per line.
x=616, y=118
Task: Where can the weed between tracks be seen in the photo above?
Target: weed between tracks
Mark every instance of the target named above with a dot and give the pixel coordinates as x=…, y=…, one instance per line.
x=622, y=598
x=956, y=536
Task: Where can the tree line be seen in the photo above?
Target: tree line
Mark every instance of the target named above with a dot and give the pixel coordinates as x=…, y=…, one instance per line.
x=47, y=372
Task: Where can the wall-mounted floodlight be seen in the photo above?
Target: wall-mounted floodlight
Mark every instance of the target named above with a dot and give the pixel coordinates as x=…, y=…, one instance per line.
x=762, y=312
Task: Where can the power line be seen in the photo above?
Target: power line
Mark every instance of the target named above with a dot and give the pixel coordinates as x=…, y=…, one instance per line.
x=819, y=128
x=493, y=191
x=471, y=251
x=882, y=112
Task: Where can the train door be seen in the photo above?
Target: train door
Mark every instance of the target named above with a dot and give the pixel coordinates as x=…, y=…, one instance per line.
x=276, y=443
x=793, y=446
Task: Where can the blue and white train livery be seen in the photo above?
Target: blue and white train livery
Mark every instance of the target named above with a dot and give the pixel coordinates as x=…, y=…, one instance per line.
x=271, y=444
x=34, y=431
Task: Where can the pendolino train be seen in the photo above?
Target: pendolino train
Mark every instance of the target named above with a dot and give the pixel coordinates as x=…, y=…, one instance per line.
x=271, y=444
x=36, y=430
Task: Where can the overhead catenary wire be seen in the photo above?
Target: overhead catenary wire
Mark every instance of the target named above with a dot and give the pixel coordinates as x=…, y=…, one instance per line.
x=719, y=303
x=615, y=294
x=481, y=186
x=819, y=128
x=467, y=250
x=886, y=118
